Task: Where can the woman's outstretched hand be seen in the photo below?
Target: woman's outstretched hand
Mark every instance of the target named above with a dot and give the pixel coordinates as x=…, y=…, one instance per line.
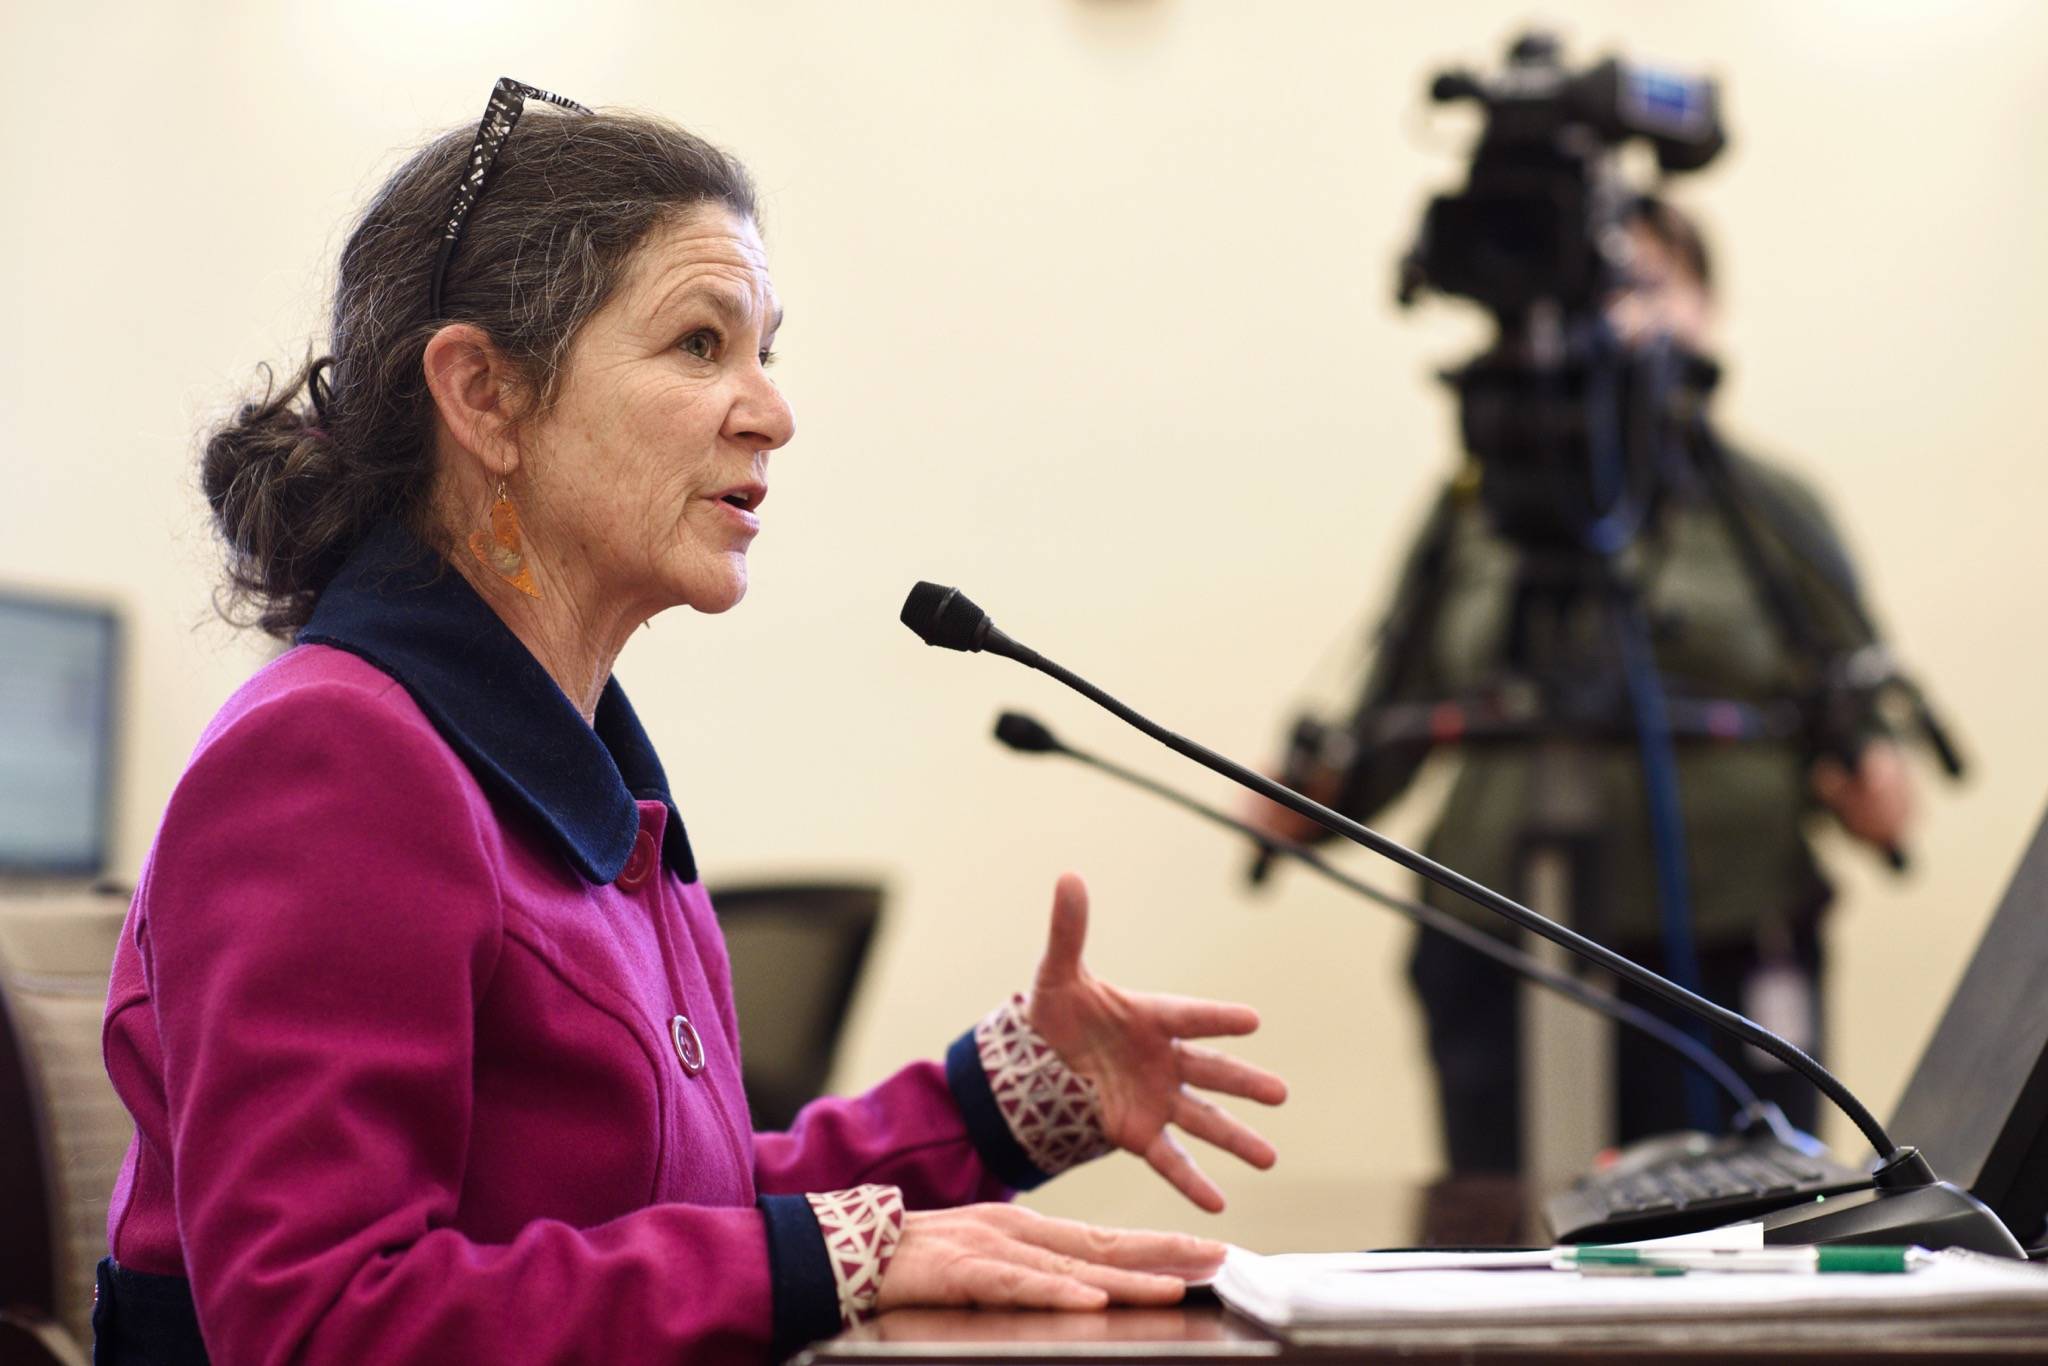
x=1001, y=1256
x=1134, y=1048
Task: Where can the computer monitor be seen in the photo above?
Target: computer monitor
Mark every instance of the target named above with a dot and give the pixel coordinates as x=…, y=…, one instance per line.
x=57, y=664
x=1977, y=1105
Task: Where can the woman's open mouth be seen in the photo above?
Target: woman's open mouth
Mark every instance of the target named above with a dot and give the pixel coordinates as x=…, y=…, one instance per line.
x=745, y=501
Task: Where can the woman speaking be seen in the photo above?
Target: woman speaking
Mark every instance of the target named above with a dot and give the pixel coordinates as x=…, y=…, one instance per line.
x=421, y=1011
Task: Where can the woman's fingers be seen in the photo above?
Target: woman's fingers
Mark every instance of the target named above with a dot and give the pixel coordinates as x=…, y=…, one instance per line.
x=1190, y=1018
x=1069, y=930
x=998, y=1282
x=1214, y=1125
x=1002, y=1256
x=1172, y=1254
x=1121, y=1285
x=1214, y=1071
x=1171, y=1161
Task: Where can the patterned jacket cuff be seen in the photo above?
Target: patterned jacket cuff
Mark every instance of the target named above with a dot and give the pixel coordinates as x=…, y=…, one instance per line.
x=1031, y=1117
x=861, y=1228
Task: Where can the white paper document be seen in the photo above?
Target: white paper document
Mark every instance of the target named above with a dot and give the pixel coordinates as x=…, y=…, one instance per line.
x=1412, y=1289
x=1733, y=1238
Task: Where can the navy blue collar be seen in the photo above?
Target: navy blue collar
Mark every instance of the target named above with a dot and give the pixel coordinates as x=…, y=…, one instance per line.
x=396, y=604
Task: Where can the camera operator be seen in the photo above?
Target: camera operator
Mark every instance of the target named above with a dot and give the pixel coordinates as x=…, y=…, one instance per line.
x=1757, y=894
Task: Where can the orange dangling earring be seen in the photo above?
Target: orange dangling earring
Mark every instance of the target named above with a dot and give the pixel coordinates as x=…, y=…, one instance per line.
x=503, y=552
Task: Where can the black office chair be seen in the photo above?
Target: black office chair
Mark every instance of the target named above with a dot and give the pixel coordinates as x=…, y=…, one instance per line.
x=797, y=950
x=63, y=1131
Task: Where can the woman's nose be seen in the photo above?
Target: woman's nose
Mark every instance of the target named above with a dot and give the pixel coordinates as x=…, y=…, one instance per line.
x=763, y=418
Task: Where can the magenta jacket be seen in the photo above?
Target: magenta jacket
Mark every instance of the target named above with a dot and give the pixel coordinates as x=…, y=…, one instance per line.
x=426, y=1025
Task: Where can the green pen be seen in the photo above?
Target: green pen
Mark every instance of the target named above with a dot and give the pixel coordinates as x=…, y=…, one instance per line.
x=1678, y=1261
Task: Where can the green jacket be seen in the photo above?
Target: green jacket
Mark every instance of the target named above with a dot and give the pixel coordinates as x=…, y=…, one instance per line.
x=1746, y=805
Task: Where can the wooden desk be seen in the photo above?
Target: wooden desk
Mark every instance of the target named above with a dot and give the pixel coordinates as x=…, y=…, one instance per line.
x=1210, y=1333
x=1204, y=1331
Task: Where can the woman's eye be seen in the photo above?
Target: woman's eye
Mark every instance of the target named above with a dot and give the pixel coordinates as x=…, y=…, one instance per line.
x=703, y=344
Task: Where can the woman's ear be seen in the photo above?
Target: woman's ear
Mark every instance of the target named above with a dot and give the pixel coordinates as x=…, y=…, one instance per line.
x=473, y=385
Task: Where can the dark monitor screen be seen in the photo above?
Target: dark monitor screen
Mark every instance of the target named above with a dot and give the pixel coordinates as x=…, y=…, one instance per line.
x=1977, y=1104
x=57, y=664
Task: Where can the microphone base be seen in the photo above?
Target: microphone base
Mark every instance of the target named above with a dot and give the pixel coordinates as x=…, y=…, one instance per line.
x=1940, y=1215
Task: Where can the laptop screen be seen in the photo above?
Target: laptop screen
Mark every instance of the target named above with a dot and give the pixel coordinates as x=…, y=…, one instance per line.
x=1977, y=1104
x=56, y=735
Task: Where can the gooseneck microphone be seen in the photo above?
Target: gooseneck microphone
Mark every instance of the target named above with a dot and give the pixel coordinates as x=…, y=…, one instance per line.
x=947, y=618
x=1028, y=735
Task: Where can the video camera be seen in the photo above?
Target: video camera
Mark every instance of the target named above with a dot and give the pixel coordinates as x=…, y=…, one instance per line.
x=1537, y=218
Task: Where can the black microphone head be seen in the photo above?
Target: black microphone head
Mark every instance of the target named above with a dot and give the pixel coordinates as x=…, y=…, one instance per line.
x=945, y=617
x=1026, y=734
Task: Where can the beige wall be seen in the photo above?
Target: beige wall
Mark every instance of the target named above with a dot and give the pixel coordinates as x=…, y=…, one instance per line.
x=1089, y=313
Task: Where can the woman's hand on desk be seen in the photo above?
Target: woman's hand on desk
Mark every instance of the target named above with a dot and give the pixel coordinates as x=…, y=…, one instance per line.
x=1133, y=1047
x=1004, y=1257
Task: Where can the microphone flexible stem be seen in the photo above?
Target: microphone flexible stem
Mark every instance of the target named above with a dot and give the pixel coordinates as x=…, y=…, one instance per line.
x=1721, y=1018
x=1479, y=941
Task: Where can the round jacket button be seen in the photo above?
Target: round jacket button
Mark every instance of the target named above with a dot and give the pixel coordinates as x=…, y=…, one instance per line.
x=689, y=1048
x=639, y=864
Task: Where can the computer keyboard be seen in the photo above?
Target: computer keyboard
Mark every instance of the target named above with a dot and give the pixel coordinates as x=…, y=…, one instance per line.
x=1702, y=1185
